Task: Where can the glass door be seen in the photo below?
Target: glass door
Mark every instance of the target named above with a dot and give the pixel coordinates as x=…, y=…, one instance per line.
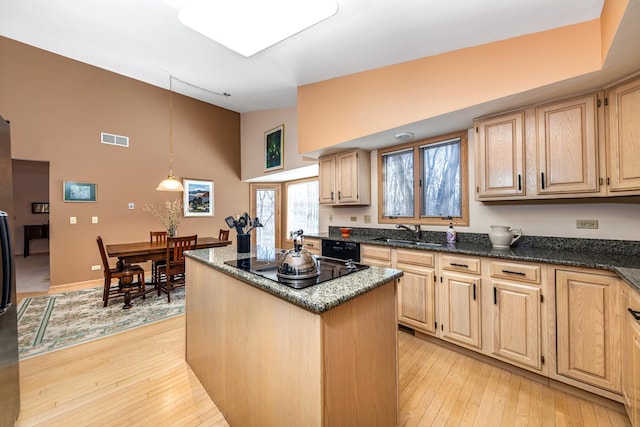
x=265, y=204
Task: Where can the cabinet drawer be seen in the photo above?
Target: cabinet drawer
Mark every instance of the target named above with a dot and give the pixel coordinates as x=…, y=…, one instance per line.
x=426, y=259
x=515, y=271
x=377, y=252
x=312, y=245
x=461, y=263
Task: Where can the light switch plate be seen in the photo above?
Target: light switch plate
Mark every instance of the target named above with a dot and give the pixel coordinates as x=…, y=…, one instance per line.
x=72, y=220
x=354, y=218
x=94, y=220
x=131, y=205
x=367, y=219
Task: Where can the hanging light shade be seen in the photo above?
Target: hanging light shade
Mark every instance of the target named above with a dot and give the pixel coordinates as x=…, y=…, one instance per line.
x=170, y=183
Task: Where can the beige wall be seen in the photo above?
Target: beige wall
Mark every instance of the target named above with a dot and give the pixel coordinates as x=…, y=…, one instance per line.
x=58, y=107
x=253, y=127
x=370, y=102
x=30, y=184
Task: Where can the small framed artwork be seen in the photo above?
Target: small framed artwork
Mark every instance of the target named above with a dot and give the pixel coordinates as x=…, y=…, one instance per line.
x=40, y=208
x=198, y=197
x=274, y=149
x=78, y=192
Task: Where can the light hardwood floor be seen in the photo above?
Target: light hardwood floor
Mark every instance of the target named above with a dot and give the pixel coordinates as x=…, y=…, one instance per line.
x=140, y=378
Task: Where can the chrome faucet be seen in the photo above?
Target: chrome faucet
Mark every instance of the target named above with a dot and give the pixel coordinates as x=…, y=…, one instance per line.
x=415, y=233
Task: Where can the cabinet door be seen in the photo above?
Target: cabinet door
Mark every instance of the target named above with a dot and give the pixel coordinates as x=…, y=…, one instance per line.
x=327, y=173
x=635, y=355
x=416, y=297
x=624, y=137
x=588, y=328
x=312, y=245
x=517, y=323
x=461, y=309
x=347, y=177
x=500, y=163
x=568, y=147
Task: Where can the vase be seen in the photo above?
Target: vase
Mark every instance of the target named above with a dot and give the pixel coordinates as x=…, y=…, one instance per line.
x=171, y=232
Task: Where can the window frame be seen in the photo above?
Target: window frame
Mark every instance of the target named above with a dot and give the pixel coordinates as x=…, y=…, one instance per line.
x=417, y=171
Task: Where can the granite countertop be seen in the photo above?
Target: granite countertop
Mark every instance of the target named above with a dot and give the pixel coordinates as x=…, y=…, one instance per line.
x=317, y=299
x=601, y=254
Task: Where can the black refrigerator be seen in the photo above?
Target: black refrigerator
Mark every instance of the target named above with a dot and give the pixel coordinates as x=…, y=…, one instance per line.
x=9, y=374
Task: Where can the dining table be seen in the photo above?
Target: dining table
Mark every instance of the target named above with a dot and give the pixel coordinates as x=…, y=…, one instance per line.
x=136, y=252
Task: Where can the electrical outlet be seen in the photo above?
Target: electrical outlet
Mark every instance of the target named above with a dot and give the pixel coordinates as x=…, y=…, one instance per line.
x=587, y=223
x=331, y=218
x=94, y=220
x=95, y=267
x=367, y=219
x=131, y=205
x=354, y=218
x=72, y=220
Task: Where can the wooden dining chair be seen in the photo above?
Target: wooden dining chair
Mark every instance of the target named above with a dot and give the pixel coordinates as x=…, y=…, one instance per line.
x=121, y=288
x=174, y=274
x=223, y=234
x=156, y=265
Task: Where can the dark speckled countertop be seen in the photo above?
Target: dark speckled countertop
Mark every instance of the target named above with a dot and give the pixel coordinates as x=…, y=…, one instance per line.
x=317, y=299
x=621, y=257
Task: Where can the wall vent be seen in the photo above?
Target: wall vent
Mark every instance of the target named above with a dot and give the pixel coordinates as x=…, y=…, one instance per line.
x=111, y=139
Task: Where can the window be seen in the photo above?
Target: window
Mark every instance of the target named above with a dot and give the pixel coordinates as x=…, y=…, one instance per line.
x=303, y=201
x=425, y=182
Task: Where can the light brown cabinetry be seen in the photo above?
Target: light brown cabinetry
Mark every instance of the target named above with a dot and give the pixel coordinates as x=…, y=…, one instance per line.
x=635, y=358
x=416, y=289
x=460, y=302
x=567, y=142
x=624, y=137
x=500, y=170
x=631, y=354
x=345, y=178
x=379, y=256
x=516, y=313
x=312, y=245
x=588, y=328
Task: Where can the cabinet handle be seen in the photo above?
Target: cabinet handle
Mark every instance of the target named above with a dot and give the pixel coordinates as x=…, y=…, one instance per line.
x=635, y=314
x=542, y=179
x=519, y=273
x=332, y=196
x=459, y=265
x=474, y=291
x=519, y=182
x=339, y=196
x=495, y=295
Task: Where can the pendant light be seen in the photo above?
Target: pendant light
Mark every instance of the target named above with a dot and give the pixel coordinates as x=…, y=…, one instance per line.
x=170, y=183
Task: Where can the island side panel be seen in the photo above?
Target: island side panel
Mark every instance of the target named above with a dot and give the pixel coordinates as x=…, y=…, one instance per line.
x=257, y=356
x=360, y=340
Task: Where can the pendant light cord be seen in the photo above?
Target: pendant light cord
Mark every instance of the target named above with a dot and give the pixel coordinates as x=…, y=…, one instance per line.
x=170, y=125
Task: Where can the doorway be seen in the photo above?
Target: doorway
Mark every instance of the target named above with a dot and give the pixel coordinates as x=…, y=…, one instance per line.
x=265, y=204
x=30, y=202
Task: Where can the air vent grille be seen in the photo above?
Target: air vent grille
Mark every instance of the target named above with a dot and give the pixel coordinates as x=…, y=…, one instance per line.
x=111, y=139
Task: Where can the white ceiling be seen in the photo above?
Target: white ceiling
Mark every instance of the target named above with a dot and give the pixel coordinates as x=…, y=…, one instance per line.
x=143, y=39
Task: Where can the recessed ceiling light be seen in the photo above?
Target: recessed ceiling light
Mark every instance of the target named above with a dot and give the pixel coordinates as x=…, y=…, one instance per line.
x=250, y=26
x=404, y=136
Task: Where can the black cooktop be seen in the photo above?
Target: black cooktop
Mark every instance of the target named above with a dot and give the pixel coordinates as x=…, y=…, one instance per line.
x=330, y=268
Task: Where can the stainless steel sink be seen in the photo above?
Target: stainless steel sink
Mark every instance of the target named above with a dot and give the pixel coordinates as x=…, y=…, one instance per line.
x=410, y=242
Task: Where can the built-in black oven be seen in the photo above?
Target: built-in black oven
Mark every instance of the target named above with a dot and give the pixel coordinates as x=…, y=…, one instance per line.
x=341, y=249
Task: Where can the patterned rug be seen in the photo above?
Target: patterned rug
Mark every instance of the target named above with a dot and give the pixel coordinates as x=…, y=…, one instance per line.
x=53, y=322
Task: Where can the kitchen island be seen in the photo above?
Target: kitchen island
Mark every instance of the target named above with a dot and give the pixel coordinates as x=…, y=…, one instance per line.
x=268, y=354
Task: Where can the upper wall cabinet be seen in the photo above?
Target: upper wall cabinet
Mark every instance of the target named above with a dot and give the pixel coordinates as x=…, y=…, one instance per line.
x=624, y=137
x=500, y=156
x=345, y=178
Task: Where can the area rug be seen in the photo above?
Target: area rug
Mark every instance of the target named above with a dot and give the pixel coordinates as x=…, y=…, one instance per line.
x=53, y=322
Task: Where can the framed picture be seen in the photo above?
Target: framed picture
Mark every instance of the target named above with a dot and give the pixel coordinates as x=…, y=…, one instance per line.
x=78, y=192
x=198, y=197
x=40, y=208
x=274, y=149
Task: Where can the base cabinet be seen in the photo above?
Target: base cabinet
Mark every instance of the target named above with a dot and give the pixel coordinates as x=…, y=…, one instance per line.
x=461, y=309
x=416, y=290
x=635, y=356
x=588, y=328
